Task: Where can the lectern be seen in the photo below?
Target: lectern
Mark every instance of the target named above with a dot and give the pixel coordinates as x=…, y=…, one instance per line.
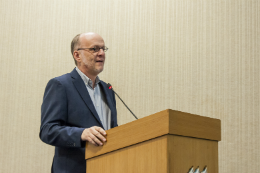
x=165, y=142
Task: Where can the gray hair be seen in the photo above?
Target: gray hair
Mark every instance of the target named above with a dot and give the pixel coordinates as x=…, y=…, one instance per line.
x=75, y=43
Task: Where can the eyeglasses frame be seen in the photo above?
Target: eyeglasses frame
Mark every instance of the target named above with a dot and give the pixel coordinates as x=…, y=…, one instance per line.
x=93, y=48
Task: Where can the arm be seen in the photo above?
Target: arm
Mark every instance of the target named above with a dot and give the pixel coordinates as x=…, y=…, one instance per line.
x=54, y=115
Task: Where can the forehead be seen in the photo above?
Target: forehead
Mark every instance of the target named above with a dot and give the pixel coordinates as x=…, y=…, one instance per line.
x=91, y=40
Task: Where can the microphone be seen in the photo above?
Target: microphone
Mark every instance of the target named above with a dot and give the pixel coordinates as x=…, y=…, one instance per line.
x=110, y=87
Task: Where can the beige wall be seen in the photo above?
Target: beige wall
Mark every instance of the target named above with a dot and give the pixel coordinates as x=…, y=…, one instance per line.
x=196, y=56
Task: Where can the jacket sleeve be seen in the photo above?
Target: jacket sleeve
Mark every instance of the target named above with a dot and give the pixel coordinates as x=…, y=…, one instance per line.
x=54, y=130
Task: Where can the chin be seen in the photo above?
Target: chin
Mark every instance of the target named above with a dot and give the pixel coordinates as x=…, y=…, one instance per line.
x=99, y=70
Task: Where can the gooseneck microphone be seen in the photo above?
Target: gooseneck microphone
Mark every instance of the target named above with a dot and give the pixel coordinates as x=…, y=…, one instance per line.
x=110, y=87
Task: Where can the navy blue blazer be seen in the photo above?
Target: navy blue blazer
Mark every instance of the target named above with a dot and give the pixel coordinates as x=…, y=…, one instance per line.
x=66, y=111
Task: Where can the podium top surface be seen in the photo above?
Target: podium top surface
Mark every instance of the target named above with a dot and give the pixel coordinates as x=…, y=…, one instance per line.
x=167, y=122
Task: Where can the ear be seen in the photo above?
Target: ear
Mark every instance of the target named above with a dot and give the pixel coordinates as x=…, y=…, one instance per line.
x=77, y=56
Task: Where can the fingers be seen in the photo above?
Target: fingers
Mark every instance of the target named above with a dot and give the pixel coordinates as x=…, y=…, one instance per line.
x=95, y=135
x=102, y=131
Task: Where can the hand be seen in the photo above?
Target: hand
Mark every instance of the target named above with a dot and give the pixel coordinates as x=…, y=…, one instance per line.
x=95, y=135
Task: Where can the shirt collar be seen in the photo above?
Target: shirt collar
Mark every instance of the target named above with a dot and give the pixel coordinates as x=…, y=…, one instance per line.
x=86, y=80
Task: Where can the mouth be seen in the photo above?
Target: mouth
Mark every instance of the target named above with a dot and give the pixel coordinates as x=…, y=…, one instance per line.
x=100, y=61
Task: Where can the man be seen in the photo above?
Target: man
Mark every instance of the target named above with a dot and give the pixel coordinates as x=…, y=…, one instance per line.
x=78, y=106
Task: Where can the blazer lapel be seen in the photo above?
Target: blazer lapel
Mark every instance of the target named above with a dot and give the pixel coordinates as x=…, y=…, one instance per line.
x=109, y=100
x=81, y=88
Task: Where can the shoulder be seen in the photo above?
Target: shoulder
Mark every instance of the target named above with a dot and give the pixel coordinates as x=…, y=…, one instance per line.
x=65, y=78
x=62, y=78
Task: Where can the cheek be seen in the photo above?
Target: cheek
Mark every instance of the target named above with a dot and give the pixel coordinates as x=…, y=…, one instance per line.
x=87, y=60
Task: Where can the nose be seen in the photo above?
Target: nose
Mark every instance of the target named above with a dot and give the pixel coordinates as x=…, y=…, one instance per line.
x=101, y=52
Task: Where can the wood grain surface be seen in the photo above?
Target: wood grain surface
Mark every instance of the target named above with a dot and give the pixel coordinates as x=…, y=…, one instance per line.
x=186, y=124
x=161, y=123
x=131, y=133
x=149, y=156
x=185, y=152
x=165, y=154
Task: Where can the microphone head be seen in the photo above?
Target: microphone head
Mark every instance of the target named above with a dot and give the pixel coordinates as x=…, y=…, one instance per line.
x=109, y=86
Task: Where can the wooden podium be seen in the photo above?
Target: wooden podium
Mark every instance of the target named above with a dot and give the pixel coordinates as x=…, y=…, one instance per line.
x=166, y=142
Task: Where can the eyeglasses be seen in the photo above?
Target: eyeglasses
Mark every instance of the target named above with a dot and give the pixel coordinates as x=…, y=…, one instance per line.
x=95, y=49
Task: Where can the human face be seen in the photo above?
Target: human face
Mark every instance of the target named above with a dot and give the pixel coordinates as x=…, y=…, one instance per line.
x=92, y=63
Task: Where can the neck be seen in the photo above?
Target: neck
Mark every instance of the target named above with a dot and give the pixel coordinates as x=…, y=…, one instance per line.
x=92, y=77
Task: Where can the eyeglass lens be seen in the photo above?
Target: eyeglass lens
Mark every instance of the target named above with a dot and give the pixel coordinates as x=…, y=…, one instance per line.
x=97, y=49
